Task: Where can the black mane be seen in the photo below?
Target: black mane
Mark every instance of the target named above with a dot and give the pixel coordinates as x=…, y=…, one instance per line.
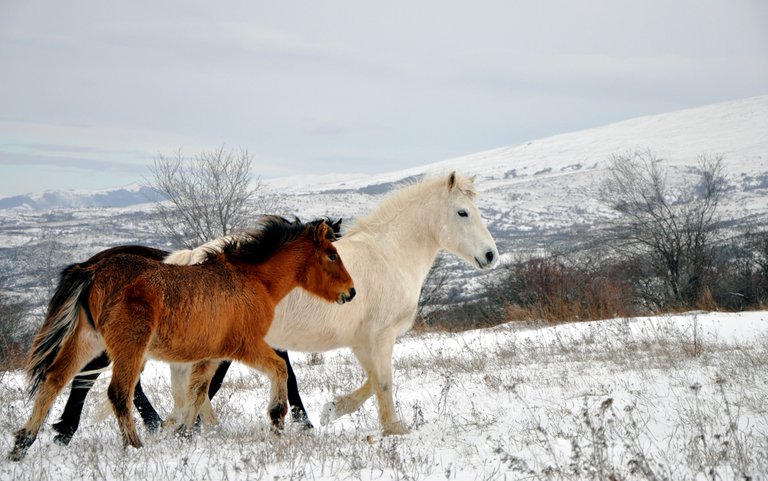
x=258, y=245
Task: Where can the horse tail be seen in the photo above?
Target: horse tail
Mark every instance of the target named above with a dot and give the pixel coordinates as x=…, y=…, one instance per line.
x=60, y=322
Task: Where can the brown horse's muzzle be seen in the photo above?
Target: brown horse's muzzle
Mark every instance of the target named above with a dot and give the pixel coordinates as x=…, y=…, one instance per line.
x=346, y=296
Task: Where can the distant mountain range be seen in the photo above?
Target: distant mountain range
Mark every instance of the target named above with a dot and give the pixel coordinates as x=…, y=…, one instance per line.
x=67, y=199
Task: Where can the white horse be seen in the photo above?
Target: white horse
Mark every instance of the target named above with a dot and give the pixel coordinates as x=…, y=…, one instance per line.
x=389, y=254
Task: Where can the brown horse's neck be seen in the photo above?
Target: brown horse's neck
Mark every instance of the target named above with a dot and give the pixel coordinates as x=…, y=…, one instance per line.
x=280, y=273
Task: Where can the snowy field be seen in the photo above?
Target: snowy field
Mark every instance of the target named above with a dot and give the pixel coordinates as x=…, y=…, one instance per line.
x=681, y=397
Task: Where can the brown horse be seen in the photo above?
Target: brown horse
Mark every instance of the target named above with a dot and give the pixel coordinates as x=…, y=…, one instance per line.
x=221, y=309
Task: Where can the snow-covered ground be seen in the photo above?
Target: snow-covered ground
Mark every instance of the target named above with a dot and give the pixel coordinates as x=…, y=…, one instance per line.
x=676, y=397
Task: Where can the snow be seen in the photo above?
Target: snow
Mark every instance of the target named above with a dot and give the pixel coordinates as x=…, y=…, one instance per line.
x=680, y=397
x=673, y=397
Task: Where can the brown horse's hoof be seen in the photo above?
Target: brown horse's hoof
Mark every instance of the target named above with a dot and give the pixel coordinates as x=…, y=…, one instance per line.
x=134, y=444
x=277, y=415
x=24, y=440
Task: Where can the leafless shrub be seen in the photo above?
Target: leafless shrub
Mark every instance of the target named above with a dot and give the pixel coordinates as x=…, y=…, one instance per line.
x=209, y=195
x=742, y=273
x=673, y=227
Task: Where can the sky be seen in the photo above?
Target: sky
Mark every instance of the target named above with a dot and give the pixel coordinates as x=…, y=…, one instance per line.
x=92, y=92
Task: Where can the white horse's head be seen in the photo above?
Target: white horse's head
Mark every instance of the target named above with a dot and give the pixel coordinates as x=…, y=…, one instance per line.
x=461, y=229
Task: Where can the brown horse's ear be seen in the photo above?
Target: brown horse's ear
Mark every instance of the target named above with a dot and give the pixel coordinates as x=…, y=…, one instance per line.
x=322, y=231
x=451, y=180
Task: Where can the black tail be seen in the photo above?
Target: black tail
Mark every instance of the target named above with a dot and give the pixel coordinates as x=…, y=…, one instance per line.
x=60, y=322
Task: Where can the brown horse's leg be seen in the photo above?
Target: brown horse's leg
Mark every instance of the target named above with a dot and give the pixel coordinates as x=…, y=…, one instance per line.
x=298, y=412
x=126, y=343
x=263, y=358
x=73, y=355
x=125, y=372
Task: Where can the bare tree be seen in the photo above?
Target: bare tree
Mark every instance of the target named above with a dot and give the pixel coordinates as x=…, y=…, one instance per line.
x=209, y=195
x=13, y=322
x=673, y=226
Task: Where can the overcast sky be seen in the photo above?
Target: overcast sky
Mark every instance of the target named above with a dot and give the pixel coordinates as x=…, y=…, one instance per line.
x=92, y=91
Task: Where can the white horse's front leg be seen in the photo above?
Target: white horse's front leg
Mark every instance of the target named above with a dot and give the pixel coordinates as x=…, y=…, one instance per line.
x=377, y=363
x=346, y=404
x=351, y=402
x=382, y=368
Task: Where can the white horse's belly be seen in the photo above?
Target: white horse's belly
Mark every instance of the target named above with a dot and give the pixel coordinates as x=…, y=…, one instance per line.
x=305, y=323
x=386, y=301
x=309, y=340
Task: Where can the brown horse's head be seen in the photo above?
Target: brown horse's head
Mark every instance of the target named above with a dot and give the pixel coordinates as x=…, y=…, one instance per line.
x=325, y=274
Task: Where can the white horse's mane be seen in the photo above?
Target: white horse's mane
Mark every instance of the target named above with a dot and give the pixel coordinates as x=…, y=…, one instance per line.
x=198, y=255
x=411, y=196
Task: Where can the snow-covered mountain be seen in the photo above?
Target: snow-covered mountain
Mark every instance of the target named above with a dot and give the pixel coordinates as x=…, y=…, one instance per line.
x=69, y=199
x=537, y=192
x=533, y=194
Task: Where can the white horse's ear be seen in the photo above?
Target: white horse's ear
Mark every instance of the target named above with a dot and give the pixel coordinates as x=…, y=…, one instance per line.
x=451, y=180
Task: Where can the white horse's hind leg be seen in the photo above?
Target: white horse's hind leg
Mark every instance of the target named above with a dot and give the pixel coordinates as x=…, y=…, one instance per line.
x=197, y=394
x=180, y=373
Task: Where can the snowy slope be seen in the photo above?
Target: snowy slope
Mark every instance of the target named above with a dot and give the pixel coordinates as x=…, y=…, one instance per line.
x=552, y=183
x=679, y=398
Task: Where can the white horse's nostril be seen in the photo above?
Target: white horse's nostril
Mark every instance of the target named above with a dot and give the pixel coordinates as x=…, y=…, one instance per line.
x=489, y=256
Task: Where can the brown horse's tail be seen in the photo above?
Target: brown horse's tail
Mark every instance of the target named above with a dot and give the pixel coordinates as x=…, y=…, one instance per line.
x=60, y=322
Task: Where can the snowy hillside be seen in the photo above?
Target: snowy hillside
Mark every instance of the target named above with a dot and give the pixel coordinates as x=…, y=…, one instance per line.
x=534, y=191
x=533, y=195
x=676, y=398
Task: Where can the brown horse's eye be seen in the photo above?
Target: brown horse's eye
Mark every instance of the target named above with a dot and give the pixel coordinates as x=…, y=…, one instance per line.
x=333, y=257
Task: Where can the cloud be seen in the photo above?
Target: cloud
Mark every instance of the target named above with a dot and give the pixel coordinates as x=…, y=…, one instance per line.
x=73, y=162
x=130, y=145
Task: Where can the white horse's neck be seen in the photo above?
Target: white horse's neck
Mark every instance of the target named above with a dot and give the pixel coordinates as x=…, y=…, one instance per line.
x=404, y=228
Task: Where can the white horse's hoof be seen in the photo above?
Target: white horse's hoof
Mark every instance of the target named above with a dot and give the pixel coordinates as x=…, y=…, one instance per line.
x=395, y=429
x=329, y=413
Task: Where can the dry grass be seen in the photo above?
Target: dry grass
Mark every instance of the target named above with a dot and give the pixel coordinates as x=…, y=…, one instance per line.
x=619, y=400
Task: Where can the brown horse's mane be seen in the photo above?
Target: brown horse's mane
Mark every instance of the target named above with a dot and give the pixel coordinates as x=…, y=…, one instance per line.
x=256, y=246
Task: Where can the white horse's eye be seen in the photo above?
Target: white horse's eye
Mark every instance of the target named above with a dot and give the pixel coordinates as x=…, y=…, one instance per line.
x=463, y=213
